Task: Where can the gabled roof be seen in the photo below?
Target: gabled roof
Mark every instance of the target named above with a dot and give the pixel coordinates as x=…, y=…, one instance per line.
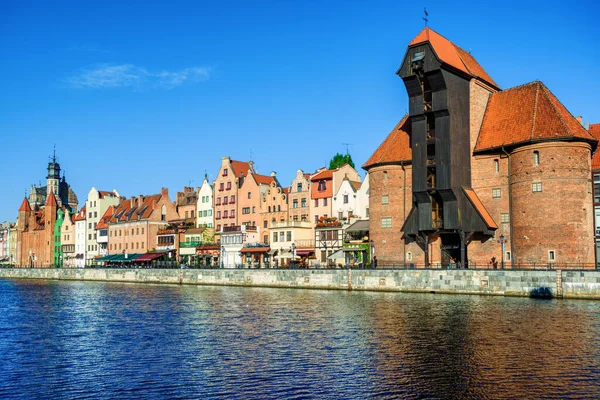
x=527, y=113
x=450, y=54
x=25, y=206
x=239, y=168
x=51, y=200
x=355, y=185
x=128, y=211
x=395, y=148
x=595, y=132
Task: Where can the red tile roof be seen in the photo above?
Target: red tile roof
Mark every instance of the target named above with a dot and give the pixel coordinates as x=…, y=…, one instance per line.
x=263, y=179
x=103, y=223
x=524, y=114
x=25, y=206
x=595, y=132
x=80, y=216
x=326, y=174
x=472, y=196
x=51, y=200
x=128, y=211
x=240, y=168
x=395, y=148
x=104, y=193
x=451, y=54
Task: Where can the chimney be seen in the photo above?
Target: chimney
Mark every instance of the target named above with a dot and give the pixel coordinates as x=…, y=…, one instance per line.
x=164, y=192
x=251, y=164
x=587, y=126
x=140, y=200
x=579, y=119
x=133, y=200
x=273, y=174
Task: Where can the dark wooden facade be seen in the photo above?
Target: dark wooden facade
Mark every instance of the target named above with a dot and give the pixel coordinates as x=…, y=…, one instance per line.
x=439, y=109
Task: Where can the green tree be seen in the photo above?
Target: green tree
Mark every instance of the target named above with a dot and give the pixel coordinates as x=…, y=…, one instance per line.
x=340, y=159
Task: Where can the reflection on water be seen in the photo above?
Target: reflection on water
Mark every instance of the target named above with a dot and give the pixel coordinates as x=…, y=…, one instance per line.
x=106, y=341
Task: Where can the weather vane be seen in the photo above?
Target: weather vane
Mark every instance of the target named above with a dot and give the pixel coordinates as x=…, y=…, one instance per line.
x=426, y=15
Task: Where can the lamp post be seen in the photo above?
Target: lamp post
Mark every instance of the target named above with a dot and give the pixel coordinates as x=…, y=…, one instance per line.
x=222, y=256
x=502, y=241
x=373, y=253
x=293, y=254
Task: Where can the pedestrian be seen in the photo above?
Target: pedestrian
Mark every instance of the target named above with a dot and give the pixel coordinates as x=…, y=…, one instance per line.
x=374, y=261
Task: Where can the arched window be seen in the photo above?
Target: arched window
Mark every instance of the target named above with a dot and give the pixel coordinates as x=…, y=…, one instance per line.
x=536, y=158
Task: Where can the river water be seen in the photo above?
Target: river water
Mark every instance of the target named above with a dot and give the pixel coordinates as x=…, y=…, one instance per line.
x=96, y=340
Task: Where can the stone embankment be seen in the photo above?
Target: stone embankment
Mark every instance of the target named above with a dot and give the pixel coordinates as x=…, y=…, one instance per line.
x=565, y=284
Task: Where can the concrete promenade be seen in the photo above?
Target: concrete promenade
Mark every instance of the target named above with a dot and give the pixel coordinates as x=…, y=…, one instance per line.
x=557, y=283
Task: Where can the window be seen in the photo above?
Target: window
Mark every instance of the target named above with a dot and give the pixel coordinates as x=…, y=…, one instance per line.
x=303, y=202
x=142, y=231
x=551, y=255
x=282, y=236
x=221, y=186
x=249, y=195
x=137, y=231
x=408, y=256
x=246, y=210
x=89, y=236
x=225, y=200
x=504, y=218
x=496, y=193
x=275, y=236
x=386, y=222
x=219, y=228
x=187, y=214
x=345, y=199
x=325, y=202
x=507, y=256
x=340, y=215
x=278, y=208
x=228, y=185
x=289, y=236
x=367, y=212
x=299, y=187
x=266, y=238
x=225, y=214
x=89, y=225
x=536, y=158
x=295, y=218
x=269, y=208
x=253, y=209
x=536, y=186
x=295, y=203
x=385, y=199
x=218, y=201
x=316, y=202
x=316, y=219
x=322, y=186
x=265, y=224
x=232, y=214
x=95, y=214
x=304, y=217
x=218, y=214
x=496, y=166
x=90, y=214
x=232, y=199
x=209, y=214
x=225, y=172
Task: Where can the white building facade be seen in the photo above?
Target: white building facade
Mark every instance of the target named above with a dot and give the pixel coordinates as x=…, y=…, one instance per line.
x=205, y=216
x=97, y=203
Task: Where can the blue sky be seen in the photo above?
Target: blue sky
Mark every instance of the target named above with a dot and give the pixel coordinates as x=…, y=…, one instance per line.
x=141, y=95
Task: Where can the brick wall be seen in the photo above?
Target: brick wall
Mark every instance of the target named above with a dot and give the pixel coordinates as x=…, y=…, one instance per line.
x=561, y=216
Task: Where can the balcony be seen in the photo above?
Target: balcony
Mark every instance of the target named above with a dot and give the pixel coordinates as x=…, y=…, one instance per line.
x=291, y=224
x=190, y=244
x=304, y=243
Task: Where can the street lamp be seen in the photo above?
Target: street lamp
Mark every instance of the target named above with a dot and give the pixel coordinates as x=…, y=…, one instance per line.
x=293, y=254
x=373, y=253
x=222, y=256
x=502, y=241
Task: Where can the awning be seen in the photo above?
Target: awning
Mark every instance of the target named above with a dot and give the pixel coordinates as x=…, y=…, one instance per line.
x=106, y=258
x=273, y=251
x=336, y=255
x=302, y=252
x=149, y=256
x=254, y=250
x=359, y=226
x=288, y=256
x=348, y=250
x=121, y=257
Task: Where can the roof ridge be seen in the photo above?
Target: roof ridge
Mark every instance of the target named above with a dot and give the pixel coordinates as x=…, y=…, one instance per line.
x=562, y=121
x=535, y=104
x=461, y=59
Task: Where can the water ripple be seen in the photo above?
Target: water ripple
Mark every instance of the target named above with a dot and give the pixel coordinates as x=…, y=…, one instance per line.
x=95, y=340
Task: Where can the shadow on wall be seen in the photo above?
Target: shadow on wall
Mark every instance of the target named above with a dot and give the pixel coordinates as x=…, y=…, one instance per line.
x=541, y=292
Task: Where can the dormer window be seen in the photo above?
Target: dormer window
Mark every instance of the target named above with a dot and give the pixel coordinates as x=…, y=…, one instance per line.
x=417, y=61
x=322, y=186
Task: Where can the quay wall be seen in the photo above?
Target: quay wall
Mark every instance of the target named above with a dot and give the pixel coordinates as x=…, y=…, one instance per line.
x=557, y=283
